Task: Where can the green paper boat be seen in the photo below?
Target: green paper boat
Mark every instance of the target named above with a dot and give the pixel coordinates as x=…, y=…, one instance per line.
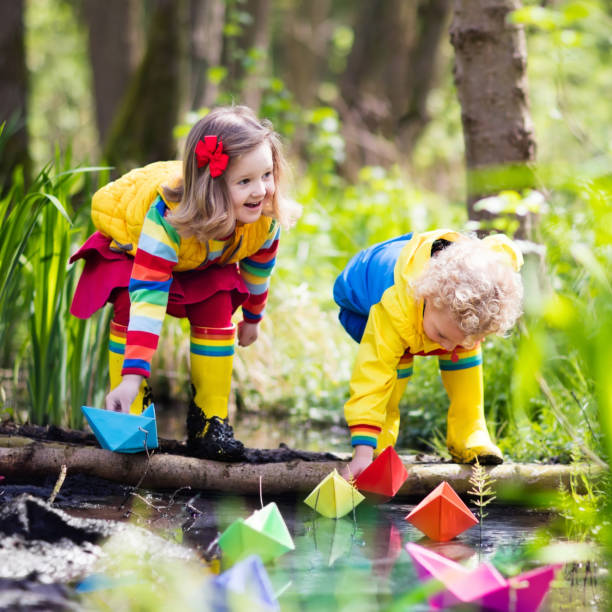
x=122, y=432
x=334, y=497
x=263, y=533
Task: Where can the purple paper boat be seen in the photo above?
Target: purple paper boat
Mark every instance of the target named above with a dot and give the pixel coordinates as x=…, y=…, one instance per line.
x=483, y=586
x=246, y=582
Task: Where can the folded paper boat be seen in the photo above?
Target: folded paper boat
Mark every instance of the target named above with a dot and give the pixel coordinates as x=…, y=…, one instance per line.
x=122, y=432
x=334, y=497
x=383, y=478
x=442, y=515
x=246, y=585
x=483, y=586
x=263, y=533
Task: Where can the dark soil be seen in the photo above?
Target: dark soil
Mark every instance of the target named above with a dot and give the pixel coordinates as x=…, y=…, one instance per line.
x=51, y=433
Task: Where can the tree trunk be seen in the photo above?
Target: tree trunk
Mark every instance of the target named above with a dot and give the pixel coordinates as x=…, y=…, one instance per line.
x=411, y=108
x=255, y=37
x=385, y=86
x=490, y=75
x=13, y=93
x=142, y=132
x=22, y=458
x=207, y=18
x=302, y=53
x=114, y=51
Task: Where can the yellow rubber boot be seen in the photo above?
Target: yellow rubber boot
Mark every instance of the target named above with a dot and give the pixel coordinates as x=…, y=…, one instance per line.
x=209, y=434
x=116, y=351
x=467, y=437
x=390, y=429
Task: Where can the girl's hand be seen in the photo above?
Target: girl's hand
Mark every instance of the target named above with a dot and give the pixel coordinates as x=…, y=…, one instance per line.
x=362, y=457
x=247, y=333
x=121, y=397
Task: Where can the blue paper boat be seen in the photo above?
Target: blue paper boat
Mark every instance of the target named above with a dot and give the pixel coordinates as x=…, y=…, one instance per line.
x=245, y=585
x=122, y=432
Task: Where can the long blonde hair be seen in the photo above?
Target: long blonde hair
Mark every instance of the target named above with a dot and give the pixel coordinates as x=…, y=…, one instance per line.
x=205, y=209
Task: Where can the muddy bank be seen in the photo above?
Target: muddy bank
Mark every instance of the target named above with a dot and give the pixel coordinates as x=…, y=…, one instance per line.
x=44, y=551
x=51, y=433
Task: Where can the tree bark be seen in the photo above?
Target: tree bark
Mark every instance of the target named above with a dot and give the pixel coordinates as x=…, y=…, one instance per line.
x=207, y=18
x=23, y=458
x=114, y=51
x=490, y=75
x=142, y=132
x=13, y=93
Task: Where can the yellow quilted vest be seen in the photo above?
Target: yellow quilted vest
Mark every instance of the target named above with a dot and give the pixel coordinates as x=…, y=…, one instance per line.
x=119, y=208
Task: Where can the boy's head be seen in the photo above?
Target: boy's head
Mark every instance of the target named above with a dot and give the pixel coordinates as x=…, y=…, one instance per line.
x=475, y=285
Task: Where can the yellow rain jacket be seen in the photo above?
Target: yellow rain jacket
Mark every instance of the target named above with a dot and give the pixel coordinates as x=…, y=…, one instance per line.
x=118, y=210
x=394, y=333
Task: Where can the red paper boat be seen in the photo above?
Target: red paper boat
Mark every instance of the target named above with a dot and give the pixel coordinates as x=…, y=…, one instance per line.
x=442, y=515
x=483, y=586
x=382, y=479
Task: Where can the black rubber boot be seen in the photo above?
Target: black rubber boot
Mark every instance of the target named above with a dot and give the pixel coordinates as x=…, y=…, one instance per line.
x=218, y=440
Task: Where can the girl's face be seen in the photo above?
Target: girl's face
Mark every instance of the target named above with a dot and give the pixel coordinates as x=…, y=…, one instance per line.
x=440, y=328
x=250, y=181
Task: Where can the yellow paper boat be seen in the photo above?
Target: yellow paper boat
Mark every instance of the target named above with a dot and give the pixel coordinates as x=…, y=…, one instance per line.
x=334, y=497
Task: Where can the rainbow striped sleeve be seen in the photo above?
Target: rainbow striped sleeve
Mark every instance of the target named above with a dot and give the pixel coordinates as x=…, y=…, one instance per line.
x=149, y=287
x=364, y=434
x=255, y=271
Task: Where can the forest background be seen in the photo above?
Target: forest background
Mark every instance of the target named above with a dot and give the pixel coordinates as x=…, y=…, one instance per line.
x=378, y=105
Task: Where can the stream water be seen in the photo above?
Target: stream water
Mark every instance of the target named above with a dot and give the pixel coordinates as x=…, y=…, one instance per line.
x=355, y=563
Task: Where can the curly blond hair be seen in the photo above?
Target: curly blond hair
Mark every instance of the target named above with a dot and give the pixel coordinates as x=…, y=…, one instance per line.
x=205, y=210
x=476, y=284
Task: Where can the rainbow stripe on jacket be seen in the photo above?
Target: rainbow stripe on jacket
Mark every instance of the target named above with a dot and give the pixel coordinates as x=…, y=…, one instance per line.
x=151, y=278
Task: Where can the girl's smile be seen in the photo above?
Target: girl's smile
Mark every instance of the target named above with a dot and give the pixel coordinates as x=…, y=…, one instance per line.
x=250, y=181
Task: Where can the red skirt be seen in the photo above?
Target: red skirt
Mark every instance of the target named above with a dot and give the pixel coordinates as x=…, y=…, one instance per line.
x=107, y=270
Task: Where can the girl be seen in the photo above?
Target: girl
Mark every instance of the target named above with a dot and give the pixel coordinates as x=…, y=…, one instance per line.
x=195, y=241
x=436, y=293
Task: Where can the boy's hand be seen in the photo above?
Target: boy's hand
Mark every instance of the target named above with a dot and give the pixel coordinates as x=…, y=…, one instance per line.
x=247, y=333
x=362, y=457
x=121, y=397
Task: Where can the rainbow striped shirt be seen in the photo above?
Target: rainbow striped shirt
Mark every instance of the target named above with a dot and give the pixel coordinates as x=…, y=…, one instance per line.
x=149, y=287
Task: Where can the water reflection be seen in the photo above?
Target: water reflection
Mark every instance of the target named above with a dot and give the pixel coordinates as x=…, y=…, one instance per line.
x=359, y=562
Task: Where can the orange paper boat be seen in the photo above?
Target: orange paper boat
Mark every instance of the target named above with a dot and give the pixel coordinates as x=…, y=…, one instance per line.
x=442, y=515
x=382, y=479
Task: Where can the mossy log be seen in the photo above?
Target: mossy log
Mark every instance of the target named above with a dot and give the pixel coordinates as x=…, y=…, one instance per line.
x=23, y=458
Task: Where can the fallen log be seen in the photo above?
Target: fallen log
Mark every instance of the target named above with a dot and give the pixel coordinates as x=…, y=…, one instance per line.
x=23, y=458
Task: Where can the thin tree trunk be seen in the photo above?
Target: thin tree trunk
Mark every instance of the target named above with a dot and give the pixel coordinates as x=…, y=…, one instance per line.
x=302, y=56
x=13, y=93
x=245, y=70
x=114, y=50
x=143, y=130
x=390, y=71
x=433, y=19
x=490, y=75
x=207, y=19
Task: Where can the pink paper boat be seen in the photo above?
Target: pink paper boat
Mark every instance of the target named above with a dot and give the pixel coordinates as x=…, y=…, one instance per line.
x=483, y=586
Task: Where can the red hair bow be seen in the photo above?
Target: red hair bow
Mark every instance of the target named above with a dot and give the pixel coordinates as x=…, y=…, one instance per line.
x=207, y=151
